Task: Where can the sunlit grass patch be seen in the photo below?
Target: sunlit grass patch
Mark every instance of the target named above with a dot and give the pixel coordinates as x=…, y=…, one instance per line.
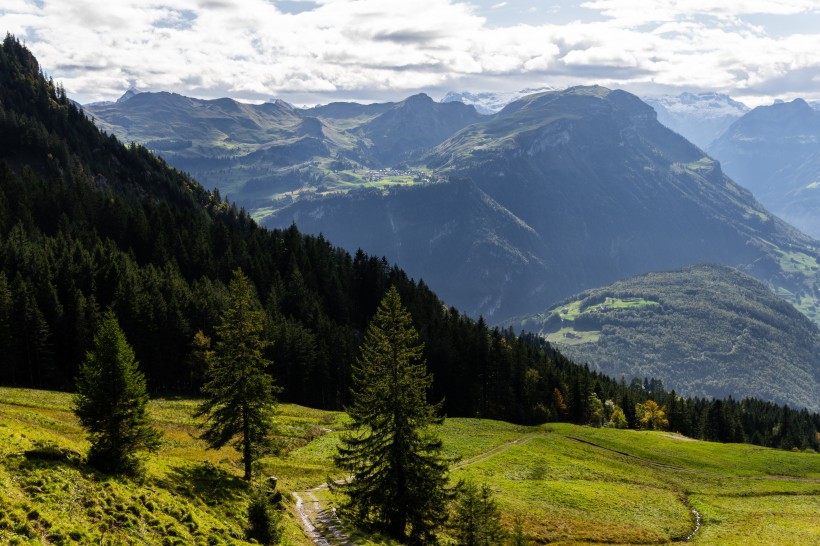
x=770, y=519
x=567, y=484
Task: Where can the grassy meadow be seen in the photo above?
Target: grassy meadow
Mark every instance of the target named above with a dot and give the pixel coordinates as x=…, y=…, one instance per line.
x=565, y=484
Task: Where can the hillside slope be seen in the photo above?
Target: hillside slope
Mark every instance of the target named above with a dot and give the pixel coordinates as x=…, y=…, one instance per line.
x=707, y=330
x=565, y=484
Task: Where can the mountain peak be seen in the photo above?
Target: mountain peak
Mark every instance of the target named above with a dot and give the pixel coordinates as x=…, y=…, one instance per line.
x=796, y=105
x=129, y=94
x=417, y=99
x=797, y=111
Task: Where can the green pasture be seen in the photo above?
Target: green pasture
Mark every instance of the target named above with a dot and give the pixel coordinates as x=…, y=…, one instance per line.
x=566, y=484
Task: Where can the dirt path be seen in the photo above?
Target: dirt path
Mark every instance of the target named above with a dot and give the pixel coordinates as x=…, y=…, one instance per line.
x=322, y=525
x=307, y=523
x=492, y=452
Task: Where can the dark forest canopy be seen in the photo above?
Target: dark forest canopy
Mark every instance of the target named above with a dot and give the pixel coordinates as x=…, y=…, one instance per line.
x=87, y=223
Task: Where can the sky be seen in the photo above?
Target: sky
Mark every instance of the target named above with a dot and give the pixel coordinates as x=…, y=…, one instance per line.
x=317, y=51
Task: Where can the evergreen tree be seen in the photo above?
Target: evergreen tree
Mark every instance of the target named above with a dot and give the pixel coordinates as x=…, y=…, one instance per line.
x=399, y=476
x=111, y=400
x=477, y=521
x=240, y=394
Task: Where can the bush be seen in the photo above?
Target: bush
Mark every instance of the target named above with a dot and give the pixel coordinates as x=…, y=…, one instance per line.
x=264, y=522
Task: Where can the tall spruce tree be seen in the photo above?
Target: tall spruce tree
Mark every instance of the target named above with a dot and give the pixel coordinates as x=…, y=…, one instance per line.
x=240, y=395
x=111, y=400
x=399, y=477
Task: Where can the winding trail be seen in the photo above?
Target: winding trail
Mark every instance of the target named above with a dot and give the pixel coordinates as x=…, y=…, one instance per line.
x=323, y=526
x=307, y=524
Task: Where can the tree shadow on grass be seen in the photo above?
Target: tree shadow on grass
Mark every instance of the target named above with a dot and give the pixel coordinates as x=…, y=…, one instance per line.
x=204, y=480
x=44, y=456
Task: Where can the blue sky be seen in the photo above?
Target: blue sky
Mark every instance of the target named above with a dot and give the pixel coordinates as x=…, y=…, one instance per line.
x=316, y=51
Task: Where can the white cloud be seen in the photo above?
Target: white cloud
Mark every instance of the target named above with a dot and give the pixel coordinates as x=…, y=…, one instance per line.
x=336, y=49
x=636, y=12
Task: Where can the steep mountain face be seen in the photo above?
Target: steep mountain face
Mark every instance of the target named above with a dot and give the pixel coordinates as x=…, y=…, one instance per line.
x=606, y=191
x=452, y=235
x=488, y=102
x=707, y=330
x=775, y=152
x=700, y=117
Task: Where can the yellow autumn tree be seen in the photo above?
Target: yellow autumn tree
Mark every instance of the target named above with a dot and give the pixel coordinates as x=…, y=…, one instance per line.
x=651, y=416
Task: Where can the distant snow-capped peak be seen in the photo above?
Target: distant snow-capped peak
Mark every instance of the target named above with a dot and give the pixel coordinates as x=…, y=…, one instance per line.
x=491, y=102
x=700, y=105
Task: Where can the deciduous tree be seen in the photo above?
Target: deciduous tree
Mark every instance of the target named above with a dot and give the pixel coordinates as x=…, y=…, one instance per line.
x=651, y=416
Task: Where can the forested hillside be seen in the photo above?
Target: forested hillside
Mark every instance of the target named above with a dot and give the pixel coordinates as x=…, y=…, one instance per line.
x=707, y=330
x=87, y=223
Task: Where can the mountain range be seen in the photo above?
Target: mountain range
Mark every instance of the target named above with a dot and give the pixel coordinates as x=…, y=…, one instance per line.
x=699, y=117
x=504, y=214
x=259, y=154
x=88, y=224
x=558, y=190
x=707, y=330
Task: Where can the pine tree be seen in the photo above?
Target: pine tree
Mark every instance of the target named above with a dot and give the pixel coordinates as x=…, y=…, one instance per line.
x=477, y=521
x=240, y=395
x=111, y=400
x=399, y=477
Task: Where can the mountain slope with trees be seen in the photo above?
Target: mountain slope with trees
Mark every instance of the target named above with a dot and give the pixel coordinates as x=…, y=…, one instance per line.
x=708, y=330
